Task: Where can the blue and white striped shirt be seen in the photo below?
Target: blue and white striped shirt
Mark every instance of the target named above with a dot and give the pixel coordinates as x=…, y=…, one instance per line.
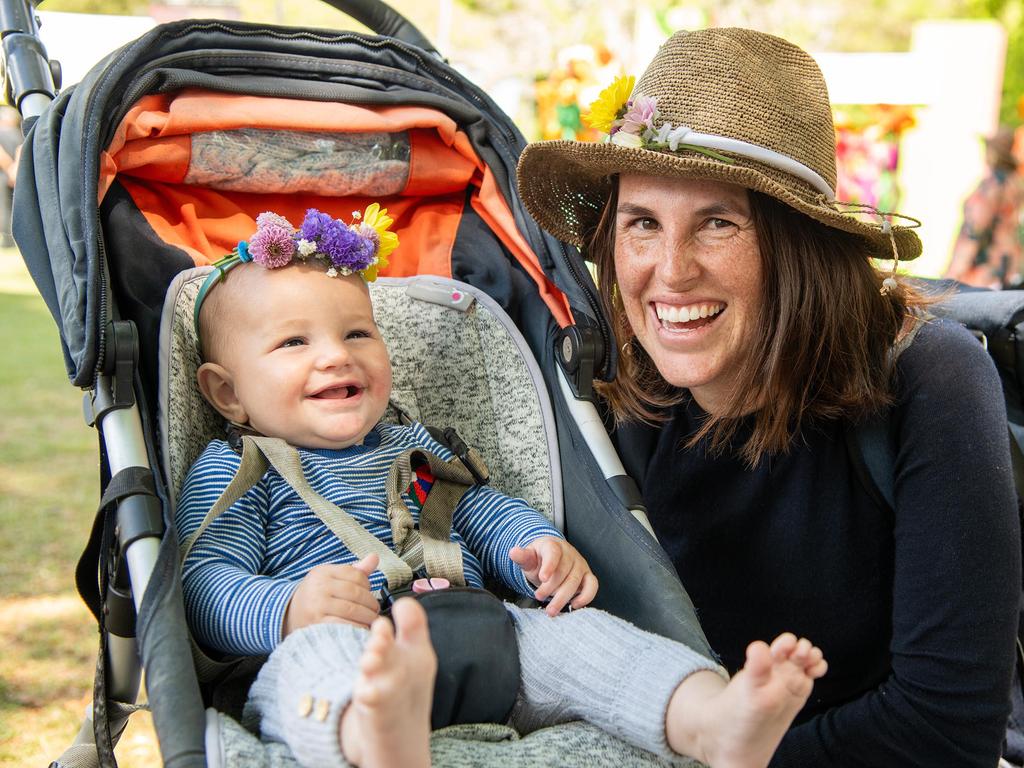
x=241, y=573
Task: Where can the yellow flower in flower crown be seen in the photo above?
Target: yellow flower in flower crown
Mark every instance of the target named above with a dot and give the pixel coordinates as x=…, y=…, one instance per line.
x=605, y=109
x=376, y=220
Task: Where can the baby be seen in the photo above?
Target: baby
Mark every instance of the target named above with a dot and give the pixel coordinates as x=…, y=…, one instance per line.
x=294, y=353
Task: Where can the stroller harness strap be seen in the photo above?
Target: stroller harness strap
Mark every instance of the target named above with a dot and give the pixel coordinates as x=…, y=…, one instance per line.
x=451, y=479
x=429, y=548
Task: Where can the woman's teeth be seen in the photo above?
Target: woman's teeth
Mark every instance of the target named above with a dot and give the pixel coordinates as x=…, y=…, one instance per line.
x=674, y=314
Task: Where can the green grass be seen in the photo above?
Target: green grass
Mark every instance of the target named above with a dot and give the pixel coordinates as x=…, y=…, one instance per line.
x=49, y=488
x=48, y=457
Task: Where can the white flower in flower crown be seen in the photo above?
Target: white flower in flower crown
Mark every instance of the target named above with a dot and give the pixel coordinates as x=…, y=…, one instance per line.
x=306, y=248
x=623, y=139
x=332, y=272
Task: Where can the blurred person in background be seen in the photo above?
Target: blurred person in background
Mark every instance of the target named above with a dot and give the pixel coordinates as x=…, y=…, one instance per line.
x=987, y=252
x=10, y=142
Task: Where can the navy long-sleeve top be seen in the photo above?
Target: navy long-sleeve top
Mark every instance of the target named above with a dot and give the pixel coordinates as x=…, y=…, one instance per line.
x=916, y=611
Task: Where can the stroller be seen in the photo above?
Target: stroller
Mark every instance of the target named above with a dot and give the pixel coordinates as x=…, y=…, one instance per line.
x=156, y=164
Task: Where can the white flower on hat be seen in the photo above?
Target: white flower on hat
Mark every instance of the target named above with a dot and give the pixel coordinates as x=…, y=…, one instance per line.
x=623, y=139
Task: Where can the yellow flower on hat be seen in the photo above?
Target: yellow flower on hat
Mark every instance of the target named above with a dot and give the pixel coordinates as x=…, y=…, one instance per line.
x=377, y=219
x=605, y=109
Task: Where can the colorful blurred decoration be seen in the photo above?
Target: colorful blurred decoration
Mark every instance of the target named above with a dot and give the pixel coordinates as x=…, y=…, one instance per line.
x=868, y=152
x=579, y=74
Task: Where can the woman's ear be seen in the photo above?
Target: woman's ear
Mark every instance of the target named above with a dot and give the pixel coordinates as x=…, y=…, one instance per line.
x=218, y=387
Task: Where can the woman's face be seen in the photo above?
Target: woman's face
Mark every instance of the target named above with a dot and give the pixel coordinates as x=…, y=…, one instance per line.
x=689, y=272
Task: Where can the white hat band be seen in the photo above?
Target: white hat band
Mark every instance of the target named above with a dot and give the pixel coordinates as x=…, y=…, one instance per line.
x=754, y=152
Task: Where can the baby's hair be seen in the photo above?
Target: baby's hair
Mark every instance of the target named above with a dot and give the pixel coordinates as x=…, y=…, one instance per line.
x=214, y=321
x=215, y=326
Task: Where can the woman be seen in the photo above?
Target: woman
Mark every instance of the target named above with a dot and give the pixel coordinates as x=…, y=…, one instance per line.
x=987, y=251
x=755, y=333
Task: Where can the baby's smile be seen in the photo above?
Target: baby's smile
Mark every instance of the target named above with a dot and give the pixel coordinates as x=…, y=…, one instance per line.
x=338, y=392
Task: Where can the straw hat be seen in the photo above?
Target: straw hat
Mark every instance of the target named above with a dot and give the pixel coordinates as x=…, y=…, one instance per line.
x=739, y=106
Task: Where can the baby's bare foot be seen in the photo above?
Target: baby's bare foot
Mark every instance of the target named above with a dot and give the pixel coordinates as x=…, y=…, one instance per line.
x=740, y=724
x=387, y=724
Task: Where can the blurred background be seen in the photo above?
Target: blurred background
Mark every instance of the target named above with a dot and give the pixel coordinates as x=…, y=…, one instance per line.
x=916, y=87
x=916, y=84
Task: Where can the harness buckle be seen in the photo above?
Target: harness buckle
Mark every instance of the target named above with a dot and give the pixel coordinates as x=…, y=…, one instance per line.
x=470, y=459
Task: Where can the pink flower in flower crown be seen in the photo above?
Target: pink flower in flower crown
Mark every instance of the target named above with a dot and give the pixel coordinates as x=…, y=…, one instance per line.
x=269, y=218
x=272, y=246
x=640, y=114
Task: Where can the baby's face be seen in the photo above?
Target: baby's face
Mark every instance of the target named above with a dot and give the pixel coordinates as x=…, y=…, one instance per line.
x=306, y=357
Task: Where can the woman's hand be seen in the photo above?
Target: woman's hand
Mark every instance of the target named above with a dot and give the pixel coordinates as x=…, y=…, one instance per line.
x=333, y=594
x=558, y=571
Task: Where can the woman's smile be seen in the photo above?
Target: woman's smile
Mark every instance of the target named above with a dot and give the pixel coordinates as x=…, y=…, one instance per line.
x=687, y=317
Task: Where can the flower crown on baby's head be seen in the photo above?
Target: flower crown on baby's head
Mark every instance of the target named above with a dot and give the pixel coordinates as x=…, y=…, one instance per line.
x=361, y=247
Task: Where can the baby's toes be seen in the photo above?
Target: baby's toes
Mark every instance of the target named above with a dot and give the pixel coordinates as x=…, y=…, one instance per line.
x=783, y=645
x=378, y=648
x=802, y=652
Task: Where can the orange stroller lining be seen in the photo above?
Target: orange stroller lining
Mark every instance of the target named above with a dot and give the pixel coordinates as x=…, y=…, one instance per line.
x=152, y=151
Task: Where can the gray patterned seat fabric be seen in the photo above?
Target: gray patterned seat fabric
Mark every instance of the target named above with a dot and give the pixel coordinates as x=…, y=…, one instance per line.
x=573, y=745
x=457, y=361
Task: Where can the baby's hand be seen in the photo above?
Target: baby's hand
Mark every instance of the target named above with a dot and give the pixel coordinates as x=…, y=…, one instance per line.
x=333, y=593
x=558, y=571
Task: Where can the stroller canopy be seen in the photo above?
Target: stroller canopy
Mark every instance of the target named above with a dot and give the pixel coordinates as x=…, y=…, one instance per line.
x=129, y=153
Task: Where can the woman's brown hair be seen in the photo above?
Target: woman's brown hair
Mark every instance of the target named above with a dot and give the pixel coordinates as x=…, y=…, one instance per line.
x=822, y=337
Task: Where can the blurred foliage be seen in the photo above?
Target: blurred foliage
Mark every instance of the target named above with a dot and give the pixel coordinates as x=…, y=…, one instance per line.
x=1010, y=13
x=532, y=31
x=116, y=7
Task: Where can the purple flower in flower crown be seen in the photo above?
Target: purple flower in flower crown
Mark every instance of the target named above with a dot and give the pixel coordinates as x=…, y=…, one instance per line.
x=640, y=114
x=371, y=234
x=314, y=224
x=272, y=246
x=346, y=248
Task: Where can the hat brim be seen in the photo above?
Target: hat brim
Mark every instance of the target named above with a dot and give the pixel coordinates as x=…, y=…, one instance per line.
x=564, y=185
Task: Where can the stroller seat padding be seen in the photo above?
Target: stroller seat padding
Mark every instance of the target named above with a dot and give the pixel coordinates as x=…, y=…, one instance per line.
x=571, y=745
x=466, y=368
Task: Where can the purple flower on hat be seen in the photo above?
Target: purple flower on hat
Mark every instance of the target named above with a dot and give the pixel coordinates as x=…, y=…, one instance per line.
x=640, y=114
x=272, y=246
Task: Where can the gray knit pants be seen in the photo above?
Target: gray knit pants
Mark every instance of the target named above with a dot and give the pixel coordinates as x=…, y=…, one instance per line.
x=585, y=665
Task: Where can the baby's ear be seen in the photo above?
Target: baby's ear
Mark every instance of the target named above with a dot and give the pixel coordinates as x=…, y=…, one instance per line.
x=217, y=386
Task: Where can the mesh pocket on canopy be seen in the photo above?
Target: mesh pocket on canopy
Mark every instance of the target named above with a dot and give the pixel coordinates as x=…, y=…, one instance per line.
x=324, y=163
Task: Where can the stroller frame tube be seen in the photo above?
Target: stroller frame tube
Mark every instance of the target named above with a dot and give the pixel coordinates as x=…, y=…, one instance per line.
x=126, y=447
x=29, y=81
x=591, y=426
